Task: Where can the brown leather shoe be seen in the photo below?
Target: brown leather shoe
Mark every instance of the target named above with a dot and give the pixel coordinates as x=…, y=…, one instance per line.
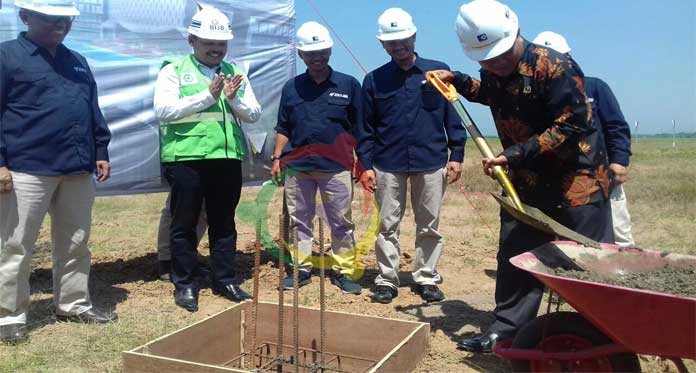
x=13, y=333
x=91, y=316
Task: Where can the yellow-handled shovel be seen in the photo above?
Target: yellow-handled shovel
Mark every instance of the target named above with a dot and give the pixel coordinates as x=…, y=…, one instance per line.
x=512, y=204
x=450, y=94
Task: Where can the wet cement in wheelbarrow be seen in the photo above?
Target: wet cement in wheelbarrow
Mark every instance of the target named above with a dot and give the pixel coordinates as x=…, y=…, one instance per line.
x=668, y=279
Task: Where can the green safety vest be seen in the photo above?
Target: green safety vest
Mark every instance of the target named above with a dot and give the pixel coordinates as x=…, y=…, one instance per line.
x=209, y=134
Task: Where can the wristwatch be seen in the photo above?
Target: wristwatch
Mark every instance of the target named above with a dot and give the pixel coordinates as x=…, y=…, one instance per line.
x=275, y=157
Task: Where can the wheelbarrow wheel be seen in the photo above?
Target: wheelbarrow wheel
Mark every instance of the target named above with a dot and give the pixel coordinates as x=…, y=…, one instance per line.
x=567, y=332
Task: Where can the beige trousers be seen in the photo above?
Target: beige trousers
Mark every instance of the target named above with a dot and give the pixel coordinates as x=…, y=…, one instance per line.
x=69, y=200
x=427, y=192
x=620, y=218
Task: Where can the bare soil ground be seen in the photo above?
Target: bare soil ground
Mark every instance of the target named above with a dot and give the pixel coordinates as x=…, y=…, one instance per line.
x=124, y=275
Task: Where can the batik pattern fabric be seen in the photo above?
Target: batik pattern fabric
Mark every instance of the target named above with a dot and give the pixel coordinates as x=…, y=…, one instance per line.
x=544, y=122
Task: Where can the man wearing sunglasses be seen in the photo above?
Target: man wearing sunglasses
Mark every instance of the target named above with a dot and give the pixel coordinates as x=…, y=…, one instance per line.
x=53, y=137
x=410, y=135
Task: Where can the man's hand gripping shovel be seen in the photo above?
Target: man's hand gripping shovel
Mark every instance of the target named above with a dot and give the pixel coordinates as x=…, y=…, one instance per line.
x=511, y=203
x=450, y=94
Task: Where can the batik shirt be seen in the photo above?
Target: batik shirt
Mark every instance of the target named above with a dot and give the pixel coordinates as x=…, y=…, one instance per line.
x=544, y=122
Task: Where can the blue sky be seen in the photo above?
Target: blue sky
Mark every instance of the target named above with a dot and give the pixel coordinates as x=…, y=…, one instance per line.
x=645, y=50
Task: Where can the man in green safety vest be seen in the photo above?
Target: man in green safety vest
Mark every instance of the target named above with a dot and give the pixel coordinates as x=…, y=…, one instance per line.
x=200, y=100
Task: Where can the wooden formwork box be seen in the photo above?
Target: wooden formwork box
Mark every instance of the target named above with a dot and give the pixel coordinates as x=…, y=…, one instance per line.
x=215, y=344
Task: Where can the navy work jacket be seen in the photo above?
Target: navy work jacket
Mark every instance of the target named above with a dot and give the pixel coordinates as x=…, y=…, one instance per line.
x=319, y=121
x=409, y=126
x=50, y=122
x=607, y=112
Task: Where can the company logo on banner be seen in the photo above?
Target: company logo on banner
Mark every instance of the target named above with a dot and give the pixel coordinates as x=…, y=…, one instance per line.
x=125, y=43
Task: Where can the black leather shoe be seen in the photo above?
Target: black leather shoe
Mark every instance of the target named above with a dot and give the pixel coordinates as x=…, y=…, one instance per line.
x=231, y=292
x=384, y=294
x=13, y=333
x=480, y=344
x=91, y=316
x=430, y=293
x=186, y=298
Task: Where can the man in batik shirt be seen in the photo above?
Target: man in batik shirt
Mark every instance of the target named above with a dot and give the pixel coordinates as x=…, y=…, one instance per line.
x=552, y=150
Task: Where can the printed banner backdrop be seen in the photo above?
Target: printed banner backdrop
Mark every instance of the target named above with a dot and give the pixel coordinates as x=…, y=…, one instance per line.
x=125, y=42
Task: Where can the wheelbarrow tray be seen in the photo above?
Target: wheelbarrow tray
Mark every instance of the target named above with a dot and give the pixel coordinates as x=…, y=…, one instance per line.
x=643, y=321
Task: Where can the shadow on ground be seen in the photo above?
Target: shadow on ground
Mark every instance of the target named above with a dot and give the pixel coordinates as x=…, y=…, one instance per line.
x=486, y=363
x=491, y=273
x=458, y=320
x=107, y=273
x=454, y=317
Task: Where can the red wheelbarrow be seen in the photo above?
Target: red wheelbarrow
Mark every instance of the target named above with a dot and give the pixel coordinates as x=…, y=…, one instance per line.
x=613, y=323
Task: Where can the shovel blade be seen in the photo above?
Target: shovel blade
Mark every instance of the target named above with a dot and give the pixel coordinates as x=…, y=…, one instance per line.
x=538, y=220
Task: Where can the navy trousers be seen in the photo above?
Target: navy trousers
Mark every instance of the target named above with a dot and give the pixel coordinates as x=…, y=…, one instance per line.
x=518, y=294
x=219, y=183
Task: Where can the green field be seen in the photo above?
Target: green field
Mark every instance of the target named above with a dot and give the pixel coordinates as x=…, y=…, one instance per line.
x=662, y=201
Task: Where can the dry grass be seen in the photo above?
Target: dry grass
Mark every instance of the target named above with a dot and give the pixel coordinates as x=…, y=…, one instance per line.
x=662, y=201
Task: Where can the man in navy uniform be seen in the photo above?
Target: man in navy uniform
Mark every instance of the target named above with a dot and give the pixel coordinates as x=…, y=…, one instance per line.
x=318, y=115
x=411, y=134
x=53, y=138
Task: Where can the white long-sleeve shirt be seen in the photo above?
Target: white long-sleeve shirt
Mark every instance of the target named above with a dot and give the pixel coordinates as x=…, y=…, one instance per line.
x=170, y=106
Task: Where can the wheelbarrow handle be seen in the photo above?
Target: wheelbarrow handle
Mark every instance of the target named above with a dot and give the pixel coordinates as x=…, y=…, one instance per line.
x=450, y=94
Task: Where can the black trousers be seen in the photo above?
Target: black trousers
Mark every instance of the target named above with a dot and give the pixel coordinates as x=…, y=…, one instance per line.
x=219, y=183
x=518, y=294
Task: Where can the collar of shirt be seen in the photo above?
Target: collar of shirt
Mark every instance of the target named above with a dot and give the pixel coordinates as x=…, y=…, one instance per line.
x=32, y=48
x=523, y=67
x=307, y=79
x=205, y=70
x=419, y=64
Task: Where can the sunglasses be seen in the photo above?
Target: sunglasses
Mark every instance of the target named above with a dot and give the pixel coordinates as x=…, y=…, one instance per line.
x=398, y=42
x=53, y=19
x=320, y=53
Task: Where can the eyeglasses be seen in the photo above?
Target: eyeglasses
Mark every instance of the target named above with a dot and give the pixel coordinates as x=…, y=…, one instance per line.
x=53, y=19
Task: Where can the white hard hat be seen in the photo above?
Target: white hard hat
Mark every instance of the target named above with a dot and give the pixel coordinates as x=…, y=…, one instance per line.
x=210, y=23
x=50, y=7
x=552, y=40
x=395, y=24
x=486, y=29
x=312, y=36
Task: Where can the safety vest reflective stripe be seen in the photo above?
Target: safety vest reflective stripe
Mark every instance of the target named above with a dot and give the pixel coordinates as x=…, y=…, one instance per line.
x=205, y=116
